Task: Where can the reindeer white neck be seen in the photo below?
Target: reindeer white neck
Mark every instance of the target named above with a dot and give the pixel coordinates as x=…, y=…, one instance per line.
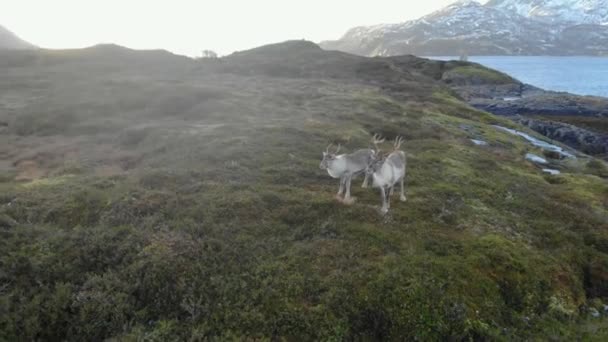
x=337, y=167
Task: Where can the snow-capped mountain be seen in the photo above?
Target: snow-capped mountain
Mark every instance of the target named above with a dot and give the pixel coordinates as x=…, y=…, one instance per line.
x=497, y=28
x=10, y=41
x=571, y=11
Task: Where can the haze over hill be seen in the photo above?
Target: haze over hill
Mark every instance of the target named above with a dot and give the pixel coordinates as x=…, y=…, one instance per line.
x=9, y=40
x=509, y=27
x=187, y=27
x=149, y=196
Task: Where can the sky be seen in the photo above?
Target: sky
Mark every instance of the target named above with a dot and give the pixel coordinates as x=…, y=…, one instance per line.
x=188, y=26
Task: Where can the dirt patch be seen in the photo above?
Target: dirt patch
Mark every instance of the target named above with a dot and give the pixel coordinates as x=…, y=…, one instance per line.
x=108, y=170
x=28, y=170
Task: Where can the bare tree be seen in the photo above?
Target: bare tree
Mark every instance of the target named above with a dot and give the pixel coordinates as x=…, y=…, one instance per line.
x=209, y=54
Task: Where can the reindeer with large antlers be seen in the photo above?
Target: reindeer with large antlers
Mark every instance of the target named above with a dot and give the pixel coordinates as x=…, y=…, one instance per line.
x=347, y=166
x=386, y=172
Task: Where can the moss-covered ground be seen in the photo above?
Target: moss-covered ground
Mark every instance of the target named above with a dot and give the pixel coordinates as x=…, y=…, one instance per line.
x=191, y=207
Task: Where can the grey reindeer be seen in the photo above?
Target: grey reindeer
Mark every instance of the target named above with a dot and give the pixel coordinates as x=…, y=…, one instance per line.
x=386, y=172
x=347, y=166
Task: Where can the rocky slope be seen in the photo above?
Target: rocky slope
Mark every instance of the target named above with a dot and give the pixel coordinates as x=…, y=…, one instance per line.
x=498, y=93
x=10, y=41
x=582, y=139
x=497, y=28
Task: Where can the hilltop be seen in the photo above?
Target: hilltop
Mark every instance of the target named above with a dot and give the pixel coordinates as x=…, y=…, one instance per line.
x=145, y=195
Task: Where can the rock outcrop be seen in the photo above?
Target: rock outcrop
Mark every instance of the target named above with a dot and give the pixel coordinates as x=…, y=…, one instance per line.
x=581, y=139
x=500, y=94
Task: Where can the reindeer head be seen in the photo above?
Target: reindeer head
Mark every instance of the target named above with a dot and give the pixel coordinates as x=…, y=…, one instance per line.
x=377, y=157
x=375, y=164
x=328, y=157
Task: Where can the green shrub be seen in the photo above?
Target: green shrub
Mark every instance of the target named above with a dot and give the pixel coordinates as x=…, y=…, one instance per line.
x=598, y=168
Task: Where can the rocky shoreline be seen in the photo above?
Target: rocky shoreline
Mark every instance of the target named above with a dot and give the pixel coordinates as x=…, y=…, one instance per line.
x=526, y=105
x=584, y=140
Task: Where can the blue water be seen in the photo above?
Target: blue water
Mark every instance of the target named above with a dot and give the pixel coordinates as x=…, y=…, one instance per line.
x=578, y=75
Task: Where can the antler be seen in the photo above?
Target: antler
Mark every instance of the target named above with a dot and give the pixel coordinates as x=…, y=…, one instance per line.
x=398, y=142
x=377, y=139
x=336, y=151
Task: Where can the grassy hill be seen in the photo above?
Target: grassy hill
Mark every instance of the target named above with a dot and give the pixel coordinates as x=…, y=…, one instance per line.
x=148, y=196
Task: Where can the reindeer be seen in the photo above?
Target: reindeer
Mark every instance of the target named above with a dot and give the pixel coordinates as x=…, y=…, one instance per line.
x=386, y=172
x=347, y=166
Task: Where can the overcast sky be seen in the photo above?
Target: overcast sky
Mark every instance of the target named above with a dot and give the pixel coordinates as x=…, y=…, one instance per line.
x=189, y=26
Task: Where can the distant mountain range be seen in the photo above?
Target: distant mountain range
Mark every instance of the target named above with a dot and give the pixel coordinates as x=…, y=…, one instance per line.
x=500, y=27
x=10, y=41
x=557, y=11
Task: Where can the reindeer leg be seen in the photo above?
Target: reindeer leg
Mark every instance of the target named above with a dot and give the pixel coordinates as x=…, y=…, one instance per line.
x=388, y=199
x=347, y=198
x=365, y=180
x=402, y=197
x=384, y=208
x=341, y=189
x=392, y=190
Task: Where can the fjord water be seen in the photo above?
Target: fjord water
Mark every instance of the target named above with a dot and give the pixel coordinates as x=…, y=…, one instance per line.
x=577, y=74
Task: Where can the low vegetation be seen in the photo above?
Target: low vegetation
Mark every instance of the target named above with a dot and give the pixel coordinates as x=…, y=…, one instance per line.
x=475, y=74
x=188, y=204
